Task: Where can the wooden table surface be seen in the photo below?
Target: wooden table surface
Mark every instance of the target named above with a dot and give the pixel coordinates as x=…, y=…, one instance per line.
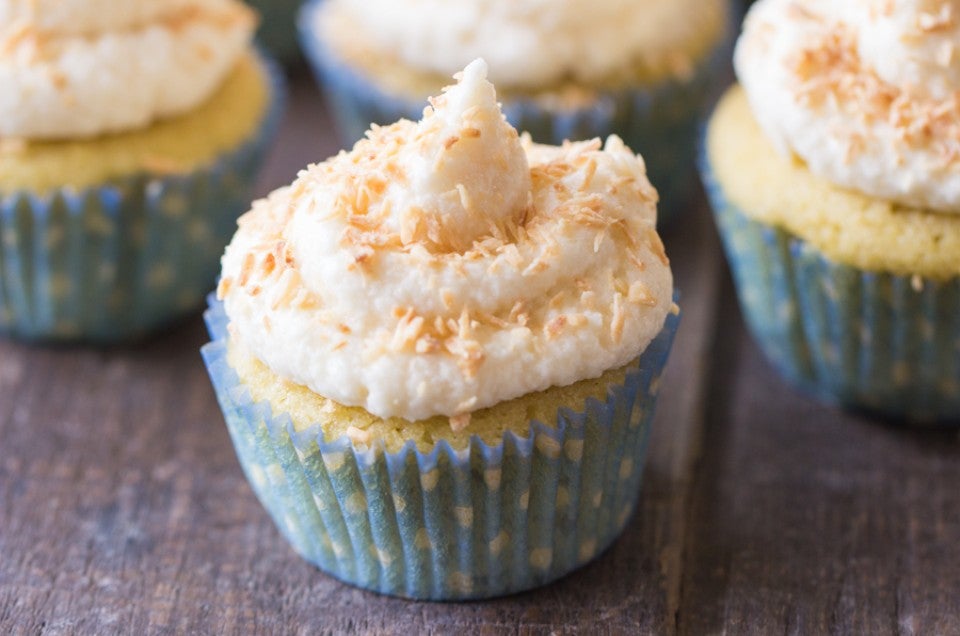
x=123, y=509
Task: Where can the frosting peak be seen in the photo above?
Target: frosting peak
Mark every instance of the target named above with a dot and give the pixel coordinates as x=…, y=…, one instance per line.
x=81, y=68
x=444, y=266
x=866, y=92
x=467, y=171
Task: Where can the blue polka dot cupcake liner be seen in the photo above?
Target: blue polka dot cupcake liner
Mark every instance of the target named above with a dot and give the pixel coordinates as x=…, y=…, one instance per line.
x=278, y=27
x=875, y=341
x=115, y=262
x=483, y=521
x=659, y=121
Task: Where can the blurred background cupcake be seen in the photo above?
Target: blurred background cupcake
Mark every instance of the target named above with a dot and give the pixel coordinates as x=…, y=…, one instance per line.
x=438, y=355
x=278, y=27
x=129, y=138
x=834, y=171
x=570, y=69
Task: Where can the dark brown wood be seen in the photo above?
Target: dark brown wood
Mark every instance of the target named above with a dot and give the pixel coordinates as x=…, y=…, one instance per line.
x=123, y=508
x=808, y=520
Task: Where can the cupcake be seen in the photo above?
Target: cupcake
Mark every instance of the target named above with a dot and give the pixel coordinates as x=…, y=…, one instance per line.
x=834, y=171
x=129, y=139
x=574, y=69
x=278, y=26
x=438, y=354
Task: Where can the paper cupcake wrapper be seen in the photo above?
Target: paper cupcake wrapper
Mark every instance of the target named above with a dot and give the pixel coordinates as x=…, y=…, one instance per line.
x=116, y=261
x=449, y=524
x=659, y=121
x=877, y=341
x=278, y=27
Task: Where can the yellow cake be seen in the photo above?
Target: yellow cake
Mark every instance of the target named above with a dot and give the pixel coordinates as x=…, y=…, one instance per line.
x=172, y=146
x=848, y=226
x=308, y=409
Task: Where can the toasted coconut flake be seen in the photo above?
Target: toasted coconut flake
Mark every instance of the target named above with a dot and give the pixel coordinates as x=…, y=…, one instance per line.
x=555, y=326
x=618, y=318
x=459, y=423
x=359, y=436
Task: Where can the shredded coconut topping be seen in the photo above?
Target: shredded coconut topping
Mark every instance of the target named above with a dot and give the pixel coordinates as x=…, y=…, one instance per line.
x=866, y=92
x=446, y=265
x=80, y=68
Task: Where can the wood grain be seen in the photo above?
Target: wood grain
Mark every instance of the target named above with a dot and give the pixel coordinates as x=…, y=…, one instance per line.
x=123, y=509
x=808, y=520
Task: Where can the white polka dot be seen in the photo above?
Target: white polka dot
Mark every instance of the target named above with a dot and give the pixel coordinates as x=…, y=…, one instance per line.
x=160, y=276
x=334, y=461
x=901, y=374
x=587, y=549
x=626, y=468
x=541, y=558
x=422, y=540
x=319, y=502
x=491, y=477
x=563, y=497
x=464, y=515
x=383, y=556
x=548, y=446
x=499, y=542
x=257, y=476
x=99, y=225
x=655, y=386
x=55, y=237
x=399, y=503
x=950, y=387
x=356, y=503
x=830, y=291
x=174, y=206
x=429, y=479
x=525, y=500
x=461, y=582
x=186, y=300
x=106, y=272
x=785, y=312
x=830, y=353
x=276, y=474
x=573, y=449
x=198, y=231
x=59, y=286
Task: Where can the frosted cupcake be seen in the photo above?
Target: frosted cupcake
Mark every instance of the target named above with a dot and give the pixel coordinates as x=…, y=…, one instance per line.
x=129, y=137
x=573, y=69
x=438, y=354
x=835, y=176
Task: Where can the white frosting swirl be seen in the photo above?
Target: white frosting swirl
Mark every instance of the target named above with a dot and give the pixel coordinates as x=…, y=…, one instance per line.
x=79, y=68
x=444, y=266
x=866, y=92
x=530, y=43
